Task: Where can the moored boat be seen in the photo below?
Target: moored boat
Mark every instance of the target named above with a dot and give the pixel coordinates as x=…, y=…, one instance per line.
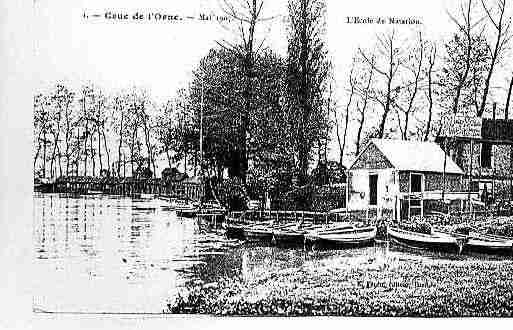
x=434, y=241
x=263, y=231
x=292, y=235
x=349, y=236
x=234, y=230
x=183, y=207
x=258, y=232
x=489, y=244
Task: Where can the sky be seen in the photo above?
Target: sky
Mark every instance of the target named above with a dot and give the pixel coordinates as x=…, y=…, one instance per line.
x=160, y=55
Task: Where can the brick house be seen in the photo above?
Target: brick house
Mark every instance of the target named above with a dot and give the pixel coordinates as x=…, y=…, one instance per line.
x=486, y=157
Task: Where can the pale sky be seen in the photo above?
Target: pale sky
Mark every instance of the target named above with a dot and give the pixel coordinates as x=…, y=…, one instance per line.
x=160, y=56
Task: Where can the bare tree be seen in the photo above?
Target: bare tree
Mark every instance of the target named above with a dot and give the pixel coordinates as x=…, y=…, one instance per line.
x=466, y=26
x=364, y=93
x=352, y=90
x=501, y=25
x=506, y=107
x=411, y=87
x=430, y=87
x=41, y=127
x=392, y=58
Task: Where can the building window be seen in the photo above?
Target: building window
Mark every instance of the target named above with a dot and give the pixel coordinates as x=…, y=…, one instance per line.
x=486, y=155
x=415, y=183
x=373, y=189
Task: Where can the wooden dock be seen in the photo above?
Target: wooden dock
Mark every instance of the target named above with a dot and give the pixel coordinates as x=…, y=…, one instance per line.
x=126, y=186
x=282, y=216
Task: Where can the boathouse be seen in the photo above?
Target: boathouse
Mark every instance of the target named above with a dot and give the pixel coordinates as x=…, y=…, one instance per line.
x=397, y=179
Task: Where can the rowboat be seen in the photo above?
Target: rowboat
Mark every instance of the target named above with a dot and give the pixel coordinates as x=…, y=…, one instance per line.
x=348, y=236
x=433, y=241
x=292, y=235
x=258, y=232
x=235, y=230
x=183, y=207
x=263, y=231
x=490, y=244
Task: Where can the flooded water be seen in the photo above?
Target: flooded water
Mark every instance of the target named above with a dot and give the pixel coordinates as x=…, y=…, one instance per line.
x=116, y=254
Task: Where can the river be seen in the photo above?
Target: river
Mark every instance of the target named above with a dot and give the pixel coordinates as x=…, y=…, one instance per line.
x=111, y=254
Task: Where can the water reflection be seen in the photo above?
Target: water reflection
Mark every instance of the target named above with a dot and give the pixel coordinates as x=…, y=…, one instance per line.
x=116, y=254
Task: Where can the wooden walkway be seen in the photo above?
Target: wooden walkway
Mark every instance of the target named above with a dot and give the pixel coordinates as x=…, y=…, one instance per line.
x=281, y=216
x=127, y=186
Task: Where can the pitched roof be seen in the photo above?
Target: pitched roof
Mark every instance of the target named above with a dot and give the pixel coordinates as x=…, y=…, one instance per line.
x=416, y=156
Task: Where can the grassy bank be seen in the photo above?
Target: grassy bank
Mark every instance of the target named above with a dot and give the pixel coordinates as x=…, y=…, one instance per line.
x=397, y=286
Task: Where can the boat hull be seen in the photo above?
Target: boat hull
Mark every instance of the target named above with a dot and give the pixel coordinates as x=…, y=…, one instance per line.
x=289, y=238
x=475, y=245
x=235, y=231
x=424, y=242
x=349, y=238
x=186, y=213
x=258, y=235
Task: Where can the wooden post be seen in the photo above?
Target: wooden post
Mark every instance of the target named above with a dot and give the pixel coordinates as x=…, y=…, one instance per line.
x=492, y=152
x=445, y=166
x=470, y=175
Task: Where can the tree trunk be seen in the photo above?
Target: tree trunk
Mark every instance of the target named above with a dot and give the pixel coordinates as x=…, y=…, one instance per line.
x=120, y=144
x=430, y=94
x=506, y=108
x=86, y=134
x=91, y=147
x=106, y=151
x=99, y=149
x=359, y=133
x=168, y=156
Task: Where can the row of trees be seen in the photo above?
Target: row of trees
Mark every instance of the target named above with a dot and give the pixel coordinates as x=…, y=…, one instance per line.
x=88, y=133
x=405, y=85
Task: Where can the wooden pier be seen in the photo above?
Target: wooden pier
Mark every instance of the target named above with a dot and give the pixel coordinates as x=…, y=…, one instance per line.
x=126, y=186
x=281, y=216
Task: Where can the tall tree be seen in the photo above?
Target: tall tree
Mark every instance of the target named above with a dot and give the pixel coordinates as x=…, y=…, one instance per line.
x=430, y=89
x=407, y=102
x=461, y=54
x=307, y=72
x=41, y=104
x=391, y=57
x=364, y=90
x=352, y=91
x=247, y=15
x=501, y=25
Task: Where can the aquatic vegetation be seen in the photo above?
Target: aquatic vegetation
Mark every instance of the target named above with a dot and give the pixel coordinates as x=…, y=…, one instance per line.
x=469, y=287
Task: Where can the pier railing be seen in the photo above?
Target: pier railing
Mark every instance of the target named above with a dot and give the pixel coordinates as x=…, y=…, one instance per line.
x=281, y=216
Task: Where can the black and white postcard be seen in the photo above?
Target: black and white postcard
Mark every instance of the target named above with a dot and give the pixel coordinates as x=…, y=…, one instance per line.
x=284, y=158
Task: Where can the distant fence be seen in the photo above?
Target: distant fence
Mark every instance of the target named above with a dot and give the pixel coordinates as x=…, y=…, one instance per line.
x=126, y=186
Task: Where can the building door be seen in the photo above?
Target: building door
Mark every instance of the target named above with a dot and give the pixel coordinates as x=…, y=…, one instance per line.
x=415, y=198
x=373, y=189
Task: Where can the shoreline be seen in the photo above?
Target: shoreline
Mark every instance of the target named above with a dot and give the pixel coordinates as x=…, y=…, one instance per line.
x=438, y=288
